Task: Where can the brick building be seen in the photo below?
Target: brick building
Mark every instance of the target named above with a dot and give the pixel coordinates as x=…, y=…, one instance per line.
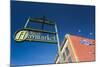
x=77, y=49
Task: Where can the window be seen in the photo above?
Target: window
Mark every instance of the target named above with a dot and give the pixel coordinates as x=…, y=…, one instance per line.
x=58, y=62
x=67, y=51
x=64, y=56
x=69, y=60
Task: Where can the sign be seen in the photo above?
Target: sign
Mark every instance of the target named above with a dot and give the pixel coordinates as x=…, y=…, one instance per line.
x=37, y=35
x=21, y=35
x=85, y=42
x=26, y=35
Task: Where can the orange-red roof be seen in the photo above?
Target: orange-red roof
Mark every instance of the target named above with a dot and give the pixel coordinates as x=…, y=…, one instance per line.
x=84, y=48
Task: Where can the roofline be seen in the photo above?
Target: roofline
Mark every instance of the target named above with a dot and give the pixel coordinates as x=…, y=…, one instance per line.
x=62, y=44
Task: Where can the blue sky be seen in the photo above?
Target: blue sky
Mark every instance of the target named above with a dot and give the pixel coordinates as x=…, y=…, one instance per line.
x=71, y=19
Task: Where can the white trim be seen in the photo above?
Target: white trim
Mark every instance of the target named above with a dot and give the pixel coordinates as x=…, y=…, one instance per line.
x=81, y=2
x=4, y=33
x=63, y=48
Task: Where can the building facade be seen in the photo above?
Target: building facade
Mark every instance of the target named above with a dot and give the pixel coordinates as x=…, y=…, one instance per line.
x=76, y=49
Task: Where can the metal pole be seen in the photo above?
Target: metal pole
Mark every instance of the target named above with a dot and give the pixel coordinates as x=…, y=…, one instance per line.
x=43, y=22
x=27, y=22
x=59, y=51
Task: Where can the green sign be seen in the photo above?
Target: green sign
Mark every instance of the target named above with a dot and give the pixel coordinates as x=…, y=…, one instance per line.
x=38, y=35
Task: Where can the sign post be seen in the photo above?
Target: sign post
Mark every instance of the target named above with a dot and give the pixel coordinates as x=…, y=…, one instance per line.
x=39, y=35
x=59, y=49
